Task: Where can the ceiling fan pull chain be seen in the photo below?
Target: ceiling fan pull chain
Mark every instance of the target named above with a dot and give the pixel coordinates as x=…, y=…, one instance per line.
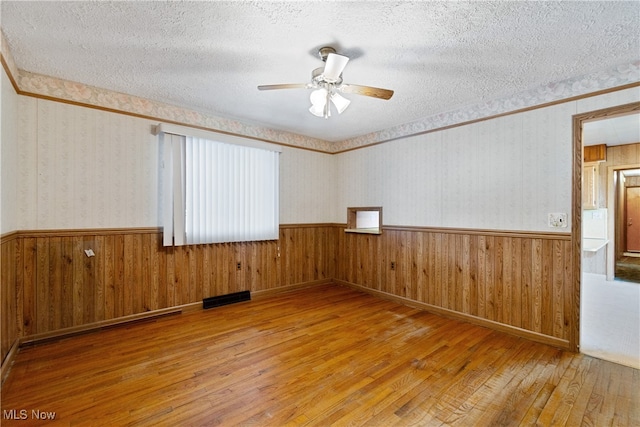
x=327, y=108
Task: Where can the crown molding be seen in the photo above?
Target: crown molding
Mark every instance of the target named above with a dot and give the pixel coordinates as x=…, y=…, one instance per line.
x=7, y=61
x=620, y=78
x=51, y=88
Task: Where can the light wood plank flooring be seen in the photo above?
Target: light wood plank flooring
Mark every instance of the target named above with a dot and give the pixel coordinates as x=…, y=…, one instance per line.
x=327, y=355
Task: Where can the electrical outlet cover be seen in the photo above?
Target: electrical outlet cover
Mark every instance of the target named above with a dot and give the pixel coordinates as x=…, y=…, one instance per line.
x=558, y=220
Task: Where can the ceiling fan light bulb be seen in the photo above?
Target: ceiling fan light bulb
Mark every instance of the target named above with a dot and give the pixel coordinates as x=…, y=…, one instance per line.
x=341, y=103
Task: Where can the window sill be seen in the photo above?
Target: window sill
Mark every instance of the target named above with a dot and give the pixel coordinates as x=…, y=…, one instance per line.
x=363, y=230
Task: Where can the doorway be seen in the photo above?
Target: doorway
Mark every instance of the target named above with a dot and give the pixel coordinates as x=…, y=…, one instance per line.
x=609, y=315
x=627, y=224
x=632, y=220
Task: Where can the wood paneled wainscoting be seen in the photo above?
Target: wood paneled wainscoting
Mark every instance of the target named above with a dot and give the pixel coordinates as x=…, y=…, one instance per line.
x=511, y=281
x=51, y=287
x=517, y=282
x=8, y=297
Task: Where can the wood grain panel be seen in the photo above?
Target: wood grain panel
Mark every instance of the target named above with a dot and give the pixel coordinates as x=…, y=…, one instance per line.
x=522, y=281
x=9, y=257
x=28, y=286
x=60, y=287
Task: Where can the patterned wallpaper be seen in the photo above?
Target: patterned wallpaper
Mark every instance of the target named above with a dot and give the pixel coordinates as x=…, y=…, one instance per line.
x=8, y=155
x=77, y=92
x=539, y=96
x=498, y=174
x=80, y=167
x=7, y=57
x=89, y=95
x=507, y=173
x=84, y=94
x=85, y=168
x=308, y=187
x=88, y=168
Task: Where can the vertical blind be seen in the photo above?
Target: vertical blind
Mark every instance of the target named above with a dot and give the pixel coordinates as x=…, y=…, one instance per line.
x=216, y=192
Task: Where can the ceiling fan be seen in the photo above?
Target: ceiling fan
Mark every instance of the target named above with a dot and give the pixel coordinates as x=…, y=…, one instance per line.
x=327, y=83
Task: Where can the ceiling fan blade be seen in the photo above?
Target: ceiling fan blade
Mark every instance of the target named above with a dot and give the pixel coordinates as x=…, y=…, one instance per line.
x=283, y=86
x=375, y=92
x=334, y=66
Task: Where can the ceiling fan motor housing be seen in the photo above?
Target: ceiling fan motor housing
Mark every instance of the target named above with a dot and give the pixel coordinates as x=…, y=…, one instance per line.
x=317, y=77
x=324, y=52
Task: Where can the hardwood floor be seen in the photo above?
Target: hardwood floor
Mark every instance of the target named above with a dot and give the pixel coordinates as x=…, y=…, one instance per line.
x=628, y=269
x=327, y=355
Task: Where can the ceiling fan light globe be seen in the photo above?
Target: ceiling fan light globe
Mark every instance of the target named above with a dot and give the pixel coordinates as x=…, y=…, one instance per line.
x=318, y=97
x=334, y=67
x=341, y=103
x=317, y=110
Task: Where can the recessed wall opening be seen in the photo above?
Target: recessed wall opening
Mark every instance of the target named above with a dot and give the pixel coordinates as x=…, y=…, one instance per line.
x=364, y=220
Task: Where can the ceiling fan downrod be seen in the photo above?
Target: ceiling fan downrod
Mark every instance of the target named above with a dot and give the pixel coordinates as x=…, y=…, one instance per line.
x=327, y=109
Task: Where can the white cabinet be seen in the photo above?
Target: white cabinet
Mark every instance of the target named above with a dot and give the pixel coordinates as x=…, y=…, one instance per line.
x=590, y=185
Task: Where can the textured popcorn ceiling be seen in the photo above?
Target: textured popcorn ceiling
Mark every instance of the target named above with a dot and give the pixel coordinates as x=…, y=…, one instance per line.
x=210, y=56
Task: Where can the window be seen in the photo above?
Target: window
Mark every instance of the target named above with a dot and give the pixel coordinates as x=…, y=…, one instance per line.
x=364, y=220
x=217, y=190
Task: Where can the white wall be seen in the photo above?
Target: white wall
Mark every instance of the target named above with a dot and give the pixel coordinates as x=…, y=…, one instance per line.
x=86, y=168
x=8, y=155
x=507, y=173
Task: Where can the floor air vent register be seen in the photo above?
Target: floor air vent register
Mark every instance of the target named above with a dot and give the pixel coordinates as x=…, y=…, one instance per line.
x=226, y=299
